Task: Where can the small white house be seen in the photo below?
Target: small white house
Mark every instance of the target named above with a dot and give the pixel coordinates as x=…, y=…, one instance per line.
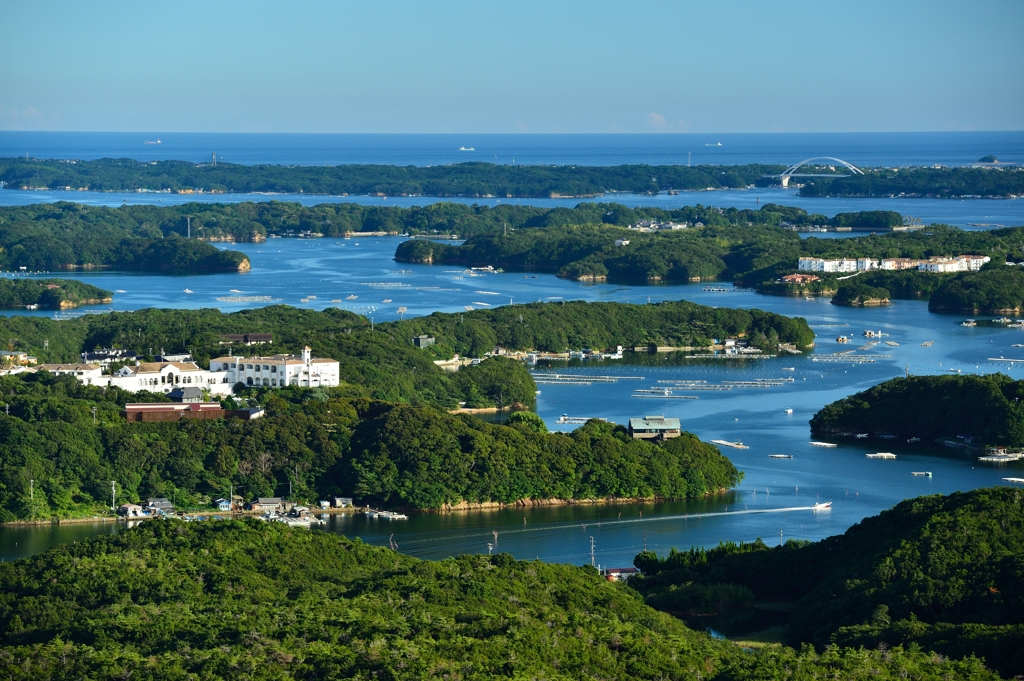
x=85, y=373
x=622, y=242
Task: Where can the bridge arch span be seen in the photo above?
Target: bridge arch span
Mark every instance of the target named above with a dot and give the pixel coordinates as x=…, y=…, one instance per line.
x=788, y=172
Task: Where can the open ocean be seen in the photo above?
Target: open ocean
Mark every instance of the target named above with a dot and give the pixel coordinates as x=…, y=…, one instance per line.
x=867, y=149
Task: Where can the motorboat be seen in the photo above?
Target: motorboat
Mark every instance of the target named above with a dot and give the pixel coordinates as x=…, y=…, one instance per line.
x=824, y=506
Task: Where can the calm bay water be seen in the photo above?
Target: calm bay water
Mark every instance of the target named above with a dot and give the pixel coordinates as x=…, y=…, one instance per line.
x=868, y=149
x=287, y=269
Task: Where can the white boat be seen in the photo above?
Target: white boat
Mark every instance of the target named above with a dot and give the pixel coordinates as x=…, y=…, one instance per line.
x=780, y=456
x=1017, y=480
x=188, y=290
x=370, y=513
x=969, y=322
x=788, y=368
x=387, y=300
x=235, y=290
x=157, y=142
x=466, y=149
x=822, y=444
x=352, y=297
x=861, y=436
x=881, y=455
x=789, y=410
x=713, y=144
x=120, y=290
x=925, y=474
x=826, y=506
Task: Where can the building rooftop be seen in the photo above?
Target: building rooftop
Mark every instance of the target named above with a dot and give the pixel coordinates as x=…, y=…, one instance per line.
x=654, y=423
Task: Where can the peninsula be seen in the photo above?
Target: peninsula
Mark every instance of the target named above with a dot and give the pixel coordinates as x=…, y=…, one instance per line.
x=983, y=410
x=384, y=435
x=49, y=294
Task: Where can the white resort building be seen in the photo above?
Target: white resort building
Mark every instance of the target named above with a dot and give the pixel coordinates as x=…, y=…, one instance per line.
x=278, y=371
x=960, y=263
x=163, y=377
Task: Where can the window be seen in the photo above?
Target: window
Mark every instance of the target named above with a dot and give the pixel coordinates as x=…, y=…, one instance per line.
x=266, y=368
x=257, y=367
x=273, y=369
x=249, y=380
x=248, y=366
x=266, y=381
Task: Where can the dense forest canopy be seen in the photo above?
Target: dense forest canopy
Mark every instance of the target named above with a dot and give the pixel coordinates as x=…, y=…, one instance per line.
x=942, y=572
x=247, y=221
x=318, y=443
x=985, y=408
x=996, y=288
x=49, y=293
x=254, y=601
x=65, y=235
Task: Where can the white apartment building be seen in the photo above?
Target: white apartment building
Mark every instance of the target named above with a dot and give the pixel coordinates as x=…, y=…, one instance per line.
x=280, y=370
x=822, y=265
x=938, y=265
x=974, y=262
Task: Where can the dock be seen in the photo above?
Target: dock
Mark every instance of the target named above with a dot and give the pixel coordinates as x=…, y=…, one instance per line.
x=853, y=359
x=1016, y=480
x=822, y=444
x=780, y=456
x=726, y=443
x=881, y=455
x=1004, y=359
x=667, y=397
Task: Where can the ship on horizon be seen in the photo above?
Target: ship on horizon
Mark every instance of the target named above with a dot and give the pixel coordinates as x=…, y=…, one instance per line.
x=466, y=149
x=150, y=142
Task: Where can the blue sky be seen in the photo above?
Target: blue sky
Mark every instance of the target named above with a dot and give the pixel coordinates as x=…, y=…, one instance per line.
x=512, y=67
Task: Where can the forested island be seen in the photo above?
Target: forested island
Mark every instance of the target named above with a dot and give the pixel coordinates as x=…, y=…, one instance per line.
x=749, y=247
x=385, y=435
x=985, y=409
x=51, y=294
x=251, y=600
x=990, y=182
x=936, y=573
x=460, y=179
x=62, y=236
x=493, y=180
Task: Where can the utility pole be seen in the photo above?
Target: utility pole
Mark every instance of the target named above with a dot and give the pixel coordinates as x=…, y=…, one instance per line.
x=592, y=563
x=780, y=537
x=113, y=495
x=189, y=220
x=94, y=416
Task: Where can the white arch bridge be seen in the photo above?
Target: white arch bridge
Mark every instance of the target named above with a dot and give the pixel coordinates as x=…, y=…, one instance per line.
x=791, y=171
